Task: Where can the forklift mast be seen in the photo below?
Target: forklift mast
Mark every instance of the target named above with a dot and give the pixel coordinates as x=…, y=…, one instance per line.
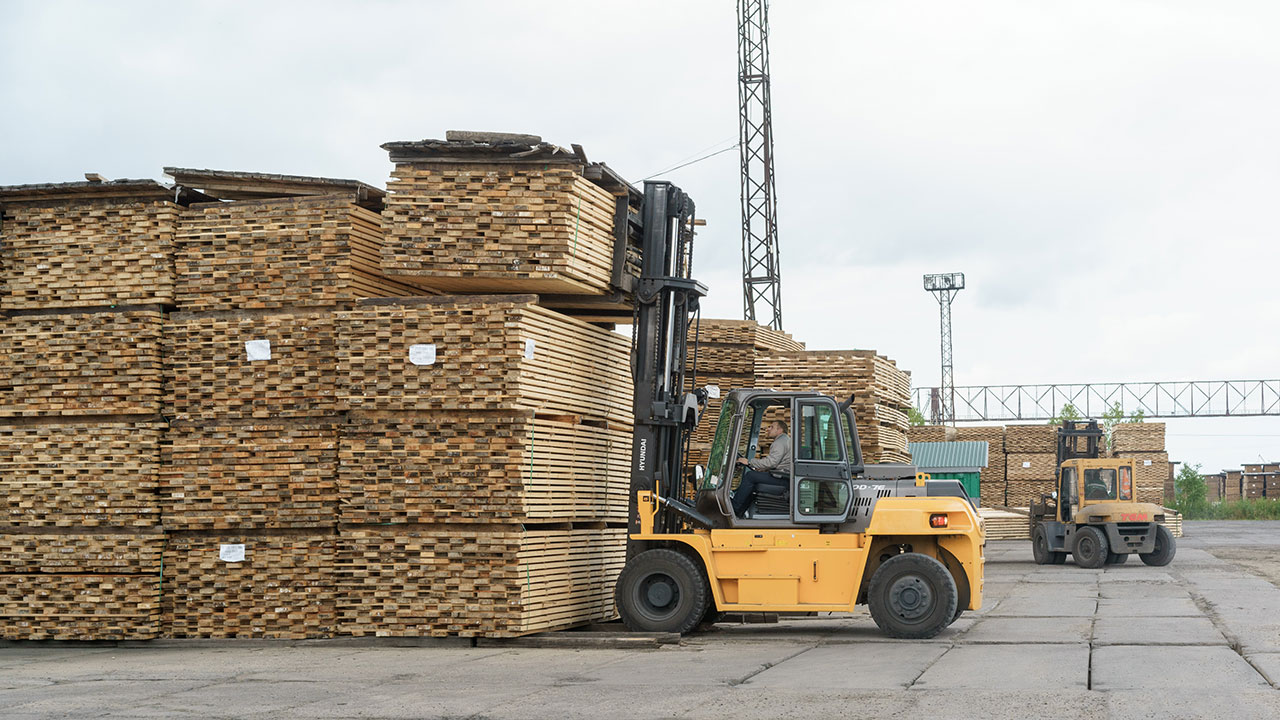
x=1075, y=433
x=666, y=302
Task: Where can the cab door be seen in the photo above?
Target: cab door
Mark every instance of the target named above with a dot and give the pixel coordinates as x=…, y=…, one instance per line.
x=820, y=492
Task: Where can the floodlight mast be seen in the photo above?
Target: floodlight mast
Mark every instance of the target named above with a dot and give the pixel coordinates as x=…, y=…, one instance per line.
x=944, y=287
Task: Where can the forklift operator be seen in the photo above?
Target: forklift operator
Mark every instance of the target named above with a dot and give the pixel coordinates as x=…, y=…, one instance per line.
x=765, y=471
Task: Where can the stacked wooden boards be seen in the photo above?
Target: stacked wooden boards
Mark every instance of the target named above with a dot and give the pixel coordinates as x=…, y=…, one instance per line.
x=879, y=390
x=486, y=456
x=1030, y=455
x=501, y=215
x=992, y=484
x=1144, y=443
x=249, y=480
x=724, y=353
x=86, y=270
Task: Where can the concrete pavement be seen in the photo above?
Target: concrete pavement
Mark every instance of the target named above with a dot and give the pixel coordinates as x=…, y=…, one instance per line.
x=1200, y=638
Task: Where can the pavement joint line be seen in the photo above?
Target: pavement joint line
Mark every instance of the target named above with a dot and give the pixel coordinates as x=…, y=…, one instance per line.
x=767, y=665
x=1211, y=611
x=941, y=655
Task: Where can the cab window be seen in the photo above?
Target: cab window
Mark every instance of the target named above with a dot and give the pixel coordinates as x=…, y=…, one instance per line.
x=1126, y=482
x=1069, y=475
x=819, y=433
x=851, y=449
x=1100, y=484
x=717, y=460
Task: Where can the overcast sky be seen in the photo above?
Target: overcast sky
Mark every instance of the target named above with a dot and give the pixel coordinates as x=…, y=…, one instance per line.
x=1103, y=167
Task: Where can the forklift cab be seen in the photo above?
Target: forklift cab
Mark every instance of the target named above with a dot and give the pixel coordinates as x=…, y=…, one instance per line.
x=825, y=456
x=1083, y=482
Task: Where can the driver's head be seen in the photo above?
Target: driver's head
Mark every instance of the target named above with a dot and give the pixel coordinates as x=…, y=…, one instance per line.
x=776, y=428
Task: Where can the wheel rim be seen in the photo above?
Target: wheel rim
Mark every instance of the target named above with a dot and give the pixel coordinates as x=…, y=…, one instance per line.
x=1087, y=547
x=658, y=595
x=911, y=598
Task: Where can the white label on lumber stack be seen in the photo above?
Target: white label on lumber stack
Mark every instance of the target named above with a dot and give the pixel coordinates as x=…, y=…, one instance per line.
x=231, y=553
x=422, y=354
x=1146, y=462
x=1026, y=464
x=257, y=350
x=529, y=345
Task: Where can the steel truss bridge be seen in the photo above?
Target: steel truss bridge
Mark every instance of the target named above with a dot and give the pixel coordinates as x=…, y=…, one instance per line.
x=1193, y=398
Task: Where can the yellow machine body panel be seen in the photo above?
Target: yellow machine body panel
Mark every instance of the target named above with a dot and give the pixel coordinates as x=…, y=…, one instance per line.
x=804, y=569
x=1113, y=500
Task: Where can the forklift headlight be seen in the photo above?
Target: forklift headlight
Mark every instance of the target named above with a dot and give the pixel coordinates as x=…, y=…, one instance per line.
x=938, y=520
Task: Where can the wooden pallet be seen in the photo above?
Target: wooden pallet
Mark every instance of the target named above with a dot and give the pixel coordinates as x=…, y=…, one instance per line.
x=497, y=353
x=482, y=227
x=489, y=581
x=68, y=252
x=98, y=363
x=212, y=378
x=1138, y=437
x=101, y=472
x=269, y=475
x=310, y=252
x=481, y=467
x=283, y=588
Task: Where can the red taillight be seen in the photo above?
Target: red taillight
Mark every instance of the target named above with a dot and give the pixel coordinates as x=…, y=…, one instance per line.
x=938, y=520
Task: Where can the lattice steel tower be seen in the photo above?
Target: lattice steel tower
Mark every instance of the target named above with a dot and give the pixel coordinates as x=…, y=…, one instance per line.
x=761, y=279
x=944, y=287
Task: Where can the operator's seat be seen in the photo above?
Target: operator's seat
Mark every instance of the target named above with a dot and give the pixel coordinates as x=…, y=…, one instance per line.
x=773, y=499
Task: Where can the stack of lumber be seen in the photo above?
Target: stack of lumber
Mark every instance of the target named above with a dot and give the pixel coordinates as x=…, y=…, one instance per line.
x=221, y=476
x=79, y=245
x=724, y=353
x=992, y=485
x=1232, y=485
x=85, y=270
x=880, y=393
x=1253, y=482
x=94, y=473
x=488, y=580
x=1144, y=443
x=935, y=433
x=483, y=468
x=1213, y=486
x=1137, y=437
x=509, y=215
x=1031, y=452
x=321, y=251
x=1271, y=474
x=250, y=584
x=251, y=365
x=79, y=585
x=70, y=363
x=484, y=460
x=1001, y=524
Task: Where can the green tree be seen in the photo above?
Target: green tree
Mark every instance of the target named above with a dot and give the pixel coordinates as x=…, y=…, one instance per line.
x=915, y=416
x=1112, y=417
x=1068, y=412
x=1192, y=499
x=1137, y=416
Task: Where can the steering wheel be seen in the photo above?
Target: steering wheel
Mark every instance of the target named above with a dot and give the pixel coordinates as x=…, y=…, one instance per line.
x=1096, y=491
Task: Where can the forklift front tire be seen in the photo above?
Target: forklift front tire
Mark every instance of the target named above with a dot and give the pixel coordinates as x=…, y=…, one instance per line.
x=662, y=591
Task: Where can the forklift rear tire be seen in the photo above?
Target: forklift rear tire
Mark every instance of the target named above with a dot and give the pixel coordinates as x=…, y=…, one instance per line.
x=662, y=591
x=912, y=596
x=1165, y=548
x=1091, y=549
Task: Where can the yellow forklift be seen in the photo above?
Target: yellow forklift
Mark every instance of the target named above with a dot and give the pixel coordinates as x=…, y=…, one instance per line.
x=831, y=534
x=1092, y=514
